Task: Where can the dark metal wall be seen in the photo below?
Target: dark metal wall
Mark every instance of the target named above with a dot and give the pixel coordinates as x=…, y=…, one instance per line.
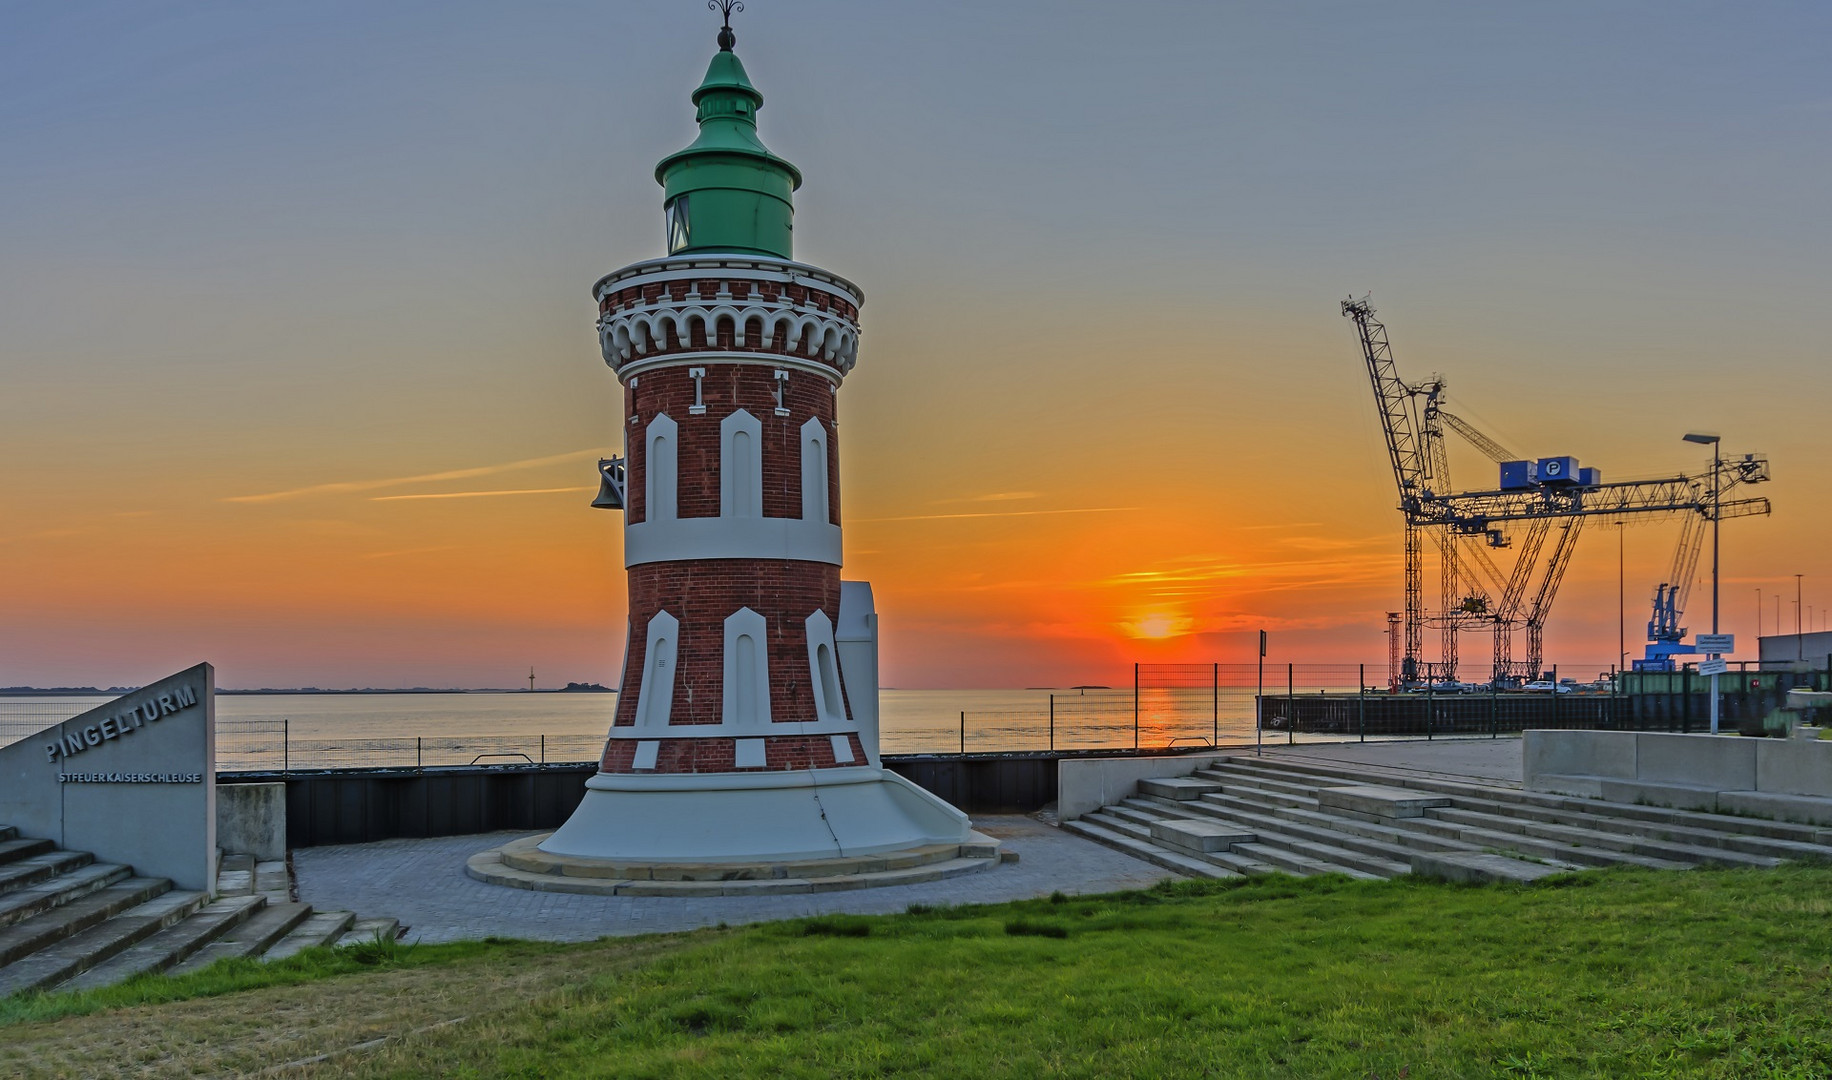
x=355, y=806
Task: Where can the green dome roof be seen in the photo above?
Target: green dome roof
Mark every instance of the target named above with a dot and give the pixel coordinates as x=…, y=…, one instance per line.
x=727, y=192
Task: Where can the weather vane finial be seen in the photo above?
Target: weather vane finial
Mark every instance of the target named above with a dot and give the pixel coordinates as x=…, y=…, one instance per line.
x=725, y=7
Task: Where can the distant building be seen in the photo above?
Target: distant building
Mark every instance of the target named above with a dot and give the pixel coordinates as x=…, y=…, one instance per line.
x=1806, y=650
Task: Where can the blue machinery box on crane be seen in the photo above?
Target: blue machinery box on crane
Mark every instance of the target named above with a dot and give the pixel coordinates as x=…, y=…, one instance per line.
x=1553, y=470
x=1558, y=470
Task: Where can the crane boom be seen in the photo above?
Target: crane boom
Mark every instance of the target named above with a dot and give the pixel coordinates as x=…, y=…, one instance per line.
x=1391, y=397
x=1493, y=450
x=1474, y=591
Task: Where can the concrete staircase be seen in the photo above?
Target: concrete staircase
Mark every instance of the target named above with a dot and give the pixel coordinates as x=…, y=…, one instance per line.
x=68, y=922
x=1258, y=815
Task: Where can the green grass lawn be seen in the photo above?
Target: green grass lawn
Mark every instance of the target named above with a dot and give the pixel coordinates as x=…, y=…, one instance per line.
x=1618, y=974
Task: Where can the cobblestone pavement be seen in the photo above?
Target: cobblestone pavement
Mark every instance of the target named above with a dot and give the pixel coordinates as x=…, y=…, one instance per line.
x=1487, y=759
x=422, y=883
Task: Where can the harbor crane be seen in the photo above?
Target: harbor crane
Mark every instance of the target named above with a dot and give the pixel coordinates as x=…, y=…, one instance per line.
x=1535, y=501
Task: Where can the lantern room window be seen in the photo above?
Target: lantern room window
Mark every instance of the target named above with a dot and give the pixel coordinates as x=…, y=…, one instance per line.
x=677, y=224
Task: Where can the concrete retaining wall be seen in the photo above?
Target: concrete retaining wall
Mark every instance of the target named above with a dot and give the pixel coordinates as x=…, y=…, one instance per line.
x=1790, y=779
x=1085, y=785
x=251, y=820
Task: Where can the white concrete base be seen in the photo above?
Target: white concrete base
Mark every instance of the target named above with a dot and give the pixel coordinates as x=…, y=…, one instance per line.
x=754, y=817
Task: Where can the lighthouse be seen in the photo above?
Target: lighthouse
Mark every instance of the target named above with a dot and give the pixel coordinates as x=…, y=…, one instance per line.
x=746, y=728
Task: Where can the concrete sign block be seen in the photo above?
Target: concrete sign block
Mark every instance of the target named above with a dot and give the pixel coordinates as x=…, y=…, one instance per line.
x=1180, y=788
x=133, y=781
x=1379, y=801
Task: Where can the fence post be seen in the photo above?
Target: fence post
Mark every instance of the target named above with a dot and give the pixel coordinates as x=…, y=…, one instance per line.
x=963, y=732
x=1430, y=711
x=419, y=759
x=1291, y=703
x=1494, y=710
x=1135, y=706
x=1685, y=699
x=543, y=748
x=286, y=739
x=1361, y=702
x=1052, y=722
x=1259, y=700
x=1215, y=686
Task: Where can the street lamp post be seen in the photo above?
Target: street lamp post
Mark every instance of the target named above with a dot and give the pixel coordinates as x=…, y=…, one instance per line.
x=1716, y=470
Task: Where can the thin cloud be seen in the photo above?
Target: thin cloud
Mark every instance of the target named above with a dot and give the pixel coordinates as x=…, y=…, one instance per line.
x=999, y=514
x=998, y=496
x=478, y=494
x=349, y=486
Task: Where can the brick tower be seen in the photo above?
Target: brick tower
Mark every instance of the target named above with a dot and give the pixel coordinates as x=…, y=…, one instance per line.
x=746, y=726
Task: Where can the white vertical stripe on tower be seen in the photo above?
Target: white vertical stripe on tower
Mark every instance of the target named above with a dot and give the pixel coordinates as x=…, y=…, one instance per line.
x=814, y=470
x=740, y=466
x=655, y=701
x=659, y=466
x=745, y=695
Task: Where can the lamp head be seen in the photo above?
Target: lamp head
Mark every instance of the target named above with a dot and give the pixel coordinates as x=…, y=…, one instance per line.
x=1696, y=437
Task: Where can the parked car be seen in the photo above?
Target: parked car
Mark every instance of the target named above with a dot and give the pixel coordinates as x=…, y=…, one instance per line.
x=1546, y=686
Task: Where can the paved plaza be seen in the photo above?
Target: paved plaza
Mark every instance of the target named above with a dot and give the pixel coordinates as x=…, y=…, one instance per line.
x=422, y=883
x=1491, y=760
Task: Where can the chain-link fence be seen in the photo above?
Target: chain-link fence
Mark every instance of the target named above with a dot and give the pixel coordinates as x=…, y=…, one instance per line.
x=1167, y=707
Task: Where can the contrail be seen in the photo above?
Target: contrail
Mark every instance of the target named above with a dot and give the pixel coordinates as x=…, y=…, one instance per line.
x=347, y=486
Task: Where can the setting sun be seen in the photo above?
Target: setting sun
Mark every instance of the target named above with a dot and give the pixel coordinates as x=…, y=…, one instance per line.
x=1158, y=626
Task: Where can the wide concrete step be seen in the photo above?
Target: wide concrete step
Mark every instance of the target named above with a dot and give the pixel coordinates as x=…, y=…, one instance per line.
x=1499, y=841
x=1379, y=843
x=259, y=933
x=235, y=875
x=1529, y=800
x=1139, y=817
x=1605, y=838
x=1323, y=853
x=1401, y=843
x=22, y=904
x=1328, y=772
x=366, y=930
x=49, y=966
x=1303, y=863
x=1231, y=776
x=1236, y=789
x=67, y=920
x=170, y=945
x=1251, y=805
x=32, y=869
x=1141, y=812
x=1695, y=834
x=15, y=848
x=320, y=928
x=1104, y=832
x=272, y=881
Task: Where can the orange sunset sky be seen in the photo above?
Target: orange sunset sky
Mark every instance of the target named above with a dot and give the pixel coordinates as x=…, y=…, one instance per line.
x=300, y=374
